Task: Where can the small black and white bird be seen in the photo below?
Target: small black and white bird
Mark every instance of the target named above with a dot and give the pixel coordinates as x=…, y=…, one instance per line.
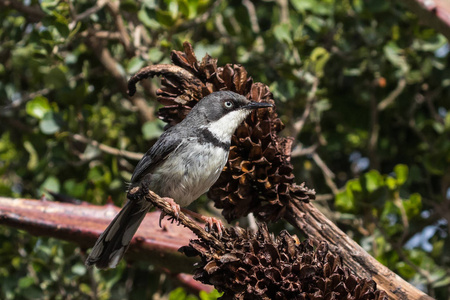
x=182, y=165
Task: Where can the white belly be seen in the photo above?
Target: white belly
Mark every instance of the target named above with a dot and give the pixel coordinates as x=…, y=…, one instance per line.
x=186, y=175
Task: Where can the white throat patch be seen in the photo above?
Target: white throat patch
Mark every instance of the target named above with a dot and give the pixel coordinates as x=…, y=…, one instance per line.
x=224, y=128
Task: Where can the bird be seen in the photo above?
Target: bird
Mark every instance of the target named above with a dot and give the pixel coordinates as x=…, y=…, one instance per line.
x=183, y=164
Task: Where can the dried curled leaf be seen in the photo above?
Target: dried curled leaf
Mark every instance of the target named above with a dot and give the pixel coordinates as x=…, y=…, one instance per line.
x=257, y=266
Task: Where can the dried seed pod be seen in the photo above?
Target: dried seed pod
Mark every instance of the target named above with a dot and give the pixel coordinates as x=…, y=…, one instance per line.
x=258, y=176
x=257, y=266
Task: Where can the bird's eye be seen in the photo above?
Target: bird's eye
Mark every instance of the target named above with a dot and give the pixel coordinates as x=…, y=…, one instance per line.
x=228, y=104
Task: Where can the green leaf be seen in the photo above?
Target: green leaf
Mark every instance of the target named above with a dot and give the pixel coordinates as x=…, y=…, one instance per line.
x=26, y=282
x=129, y=6
x=413, y=205
x=302, y=5
x=79, y=269
x=77, y=190
x=38, y=107
x=50, y=123
x=148, y=18
x=153, y=129
x=401, y=172
x=50, y=184
x=188, y=8
x=376, y=6
x=391, y=183
x=319, y=58
x=56, y=78
x=134, y=65
x=85, y=288
x=315, y=23
x=354, y=185
x=405, y=270
x=215, y=294
x=177, y=294
x=395, y=57
x=445, y=281
x=282, y=33
x=156, y=55
x=345, y=201
x=371, y=181
x=34, y=159
x=48, y=6
x=62, y=26
x=165, y=18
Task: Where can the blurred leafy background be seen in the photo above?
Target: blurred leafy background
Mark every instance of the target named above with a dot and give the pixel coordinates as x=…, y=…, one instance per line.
x=362, y=86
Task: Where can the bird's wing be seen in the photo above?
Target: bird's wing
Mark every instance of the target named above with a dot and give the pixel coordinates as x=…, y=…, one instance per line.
x=155, y=156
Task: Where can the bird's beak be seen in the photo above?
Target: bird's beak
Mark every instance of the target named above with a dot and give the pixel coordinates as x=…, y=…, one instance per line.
x=256, y=105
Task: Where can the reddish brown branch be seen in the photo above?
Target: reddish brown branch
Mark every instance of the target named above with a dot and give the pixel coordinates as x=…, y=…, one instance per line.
x=82, y=224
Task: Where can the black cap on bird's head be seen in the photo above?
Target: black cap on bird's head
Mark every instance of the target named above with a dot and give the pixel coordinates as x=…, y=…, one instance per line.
x=218, y=104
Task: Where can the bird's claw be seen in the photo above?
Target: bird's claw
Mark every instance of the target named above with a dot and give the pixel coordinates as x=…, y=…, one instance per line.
x=175, y=207
x=210, y=222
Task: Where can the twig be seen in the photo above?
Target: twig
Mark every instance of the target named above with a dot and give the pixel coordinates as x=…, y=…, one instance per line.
x=102, y=34
x=429, y=101
x=106, y=148
x=110, y=64
x=107, y=60
x=24, y=99
x=252, y=15
x=88, y=12
x=327, y=173
x=374, y=133
x=399, y=203
x=392, y=95
x=300, y=151
x=298, y=126
x=324, y=197
x=113, y=7
x=33, y=13
x=284, y=11
x=218, y=21
x=160, y=203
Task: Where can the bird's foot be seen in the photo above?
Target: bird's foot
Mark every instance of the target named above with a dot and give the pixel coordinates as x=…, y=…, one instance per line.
x=175, y=207
x=210, y=222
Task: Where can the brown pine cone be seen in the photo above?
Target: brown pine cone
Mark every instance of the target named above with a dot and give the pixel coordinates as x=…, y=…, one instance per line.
x=257, y=266
x=258, y=176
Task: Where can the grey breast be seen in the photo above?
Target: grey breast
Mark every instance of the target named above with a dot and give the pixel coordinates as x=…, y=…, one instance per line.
x=189, y=171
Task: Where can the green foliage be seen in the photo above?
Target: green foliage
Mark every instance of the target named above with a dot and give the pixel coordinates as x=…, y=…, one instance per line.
x=380, y=121
x=180, y=294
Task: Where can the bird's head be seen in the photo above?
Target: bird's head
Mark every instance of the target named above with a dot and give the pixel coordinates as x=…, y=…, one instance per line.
x=222, y=112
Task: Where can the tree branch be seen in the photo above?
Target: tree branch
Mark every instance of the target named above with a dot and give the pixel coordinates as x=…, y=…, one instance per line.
x=82, y=224
x=434, y=13
x=298, y=125
x=392, y=95
x=312, y=222
x=33, y=13
x=106, y=148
